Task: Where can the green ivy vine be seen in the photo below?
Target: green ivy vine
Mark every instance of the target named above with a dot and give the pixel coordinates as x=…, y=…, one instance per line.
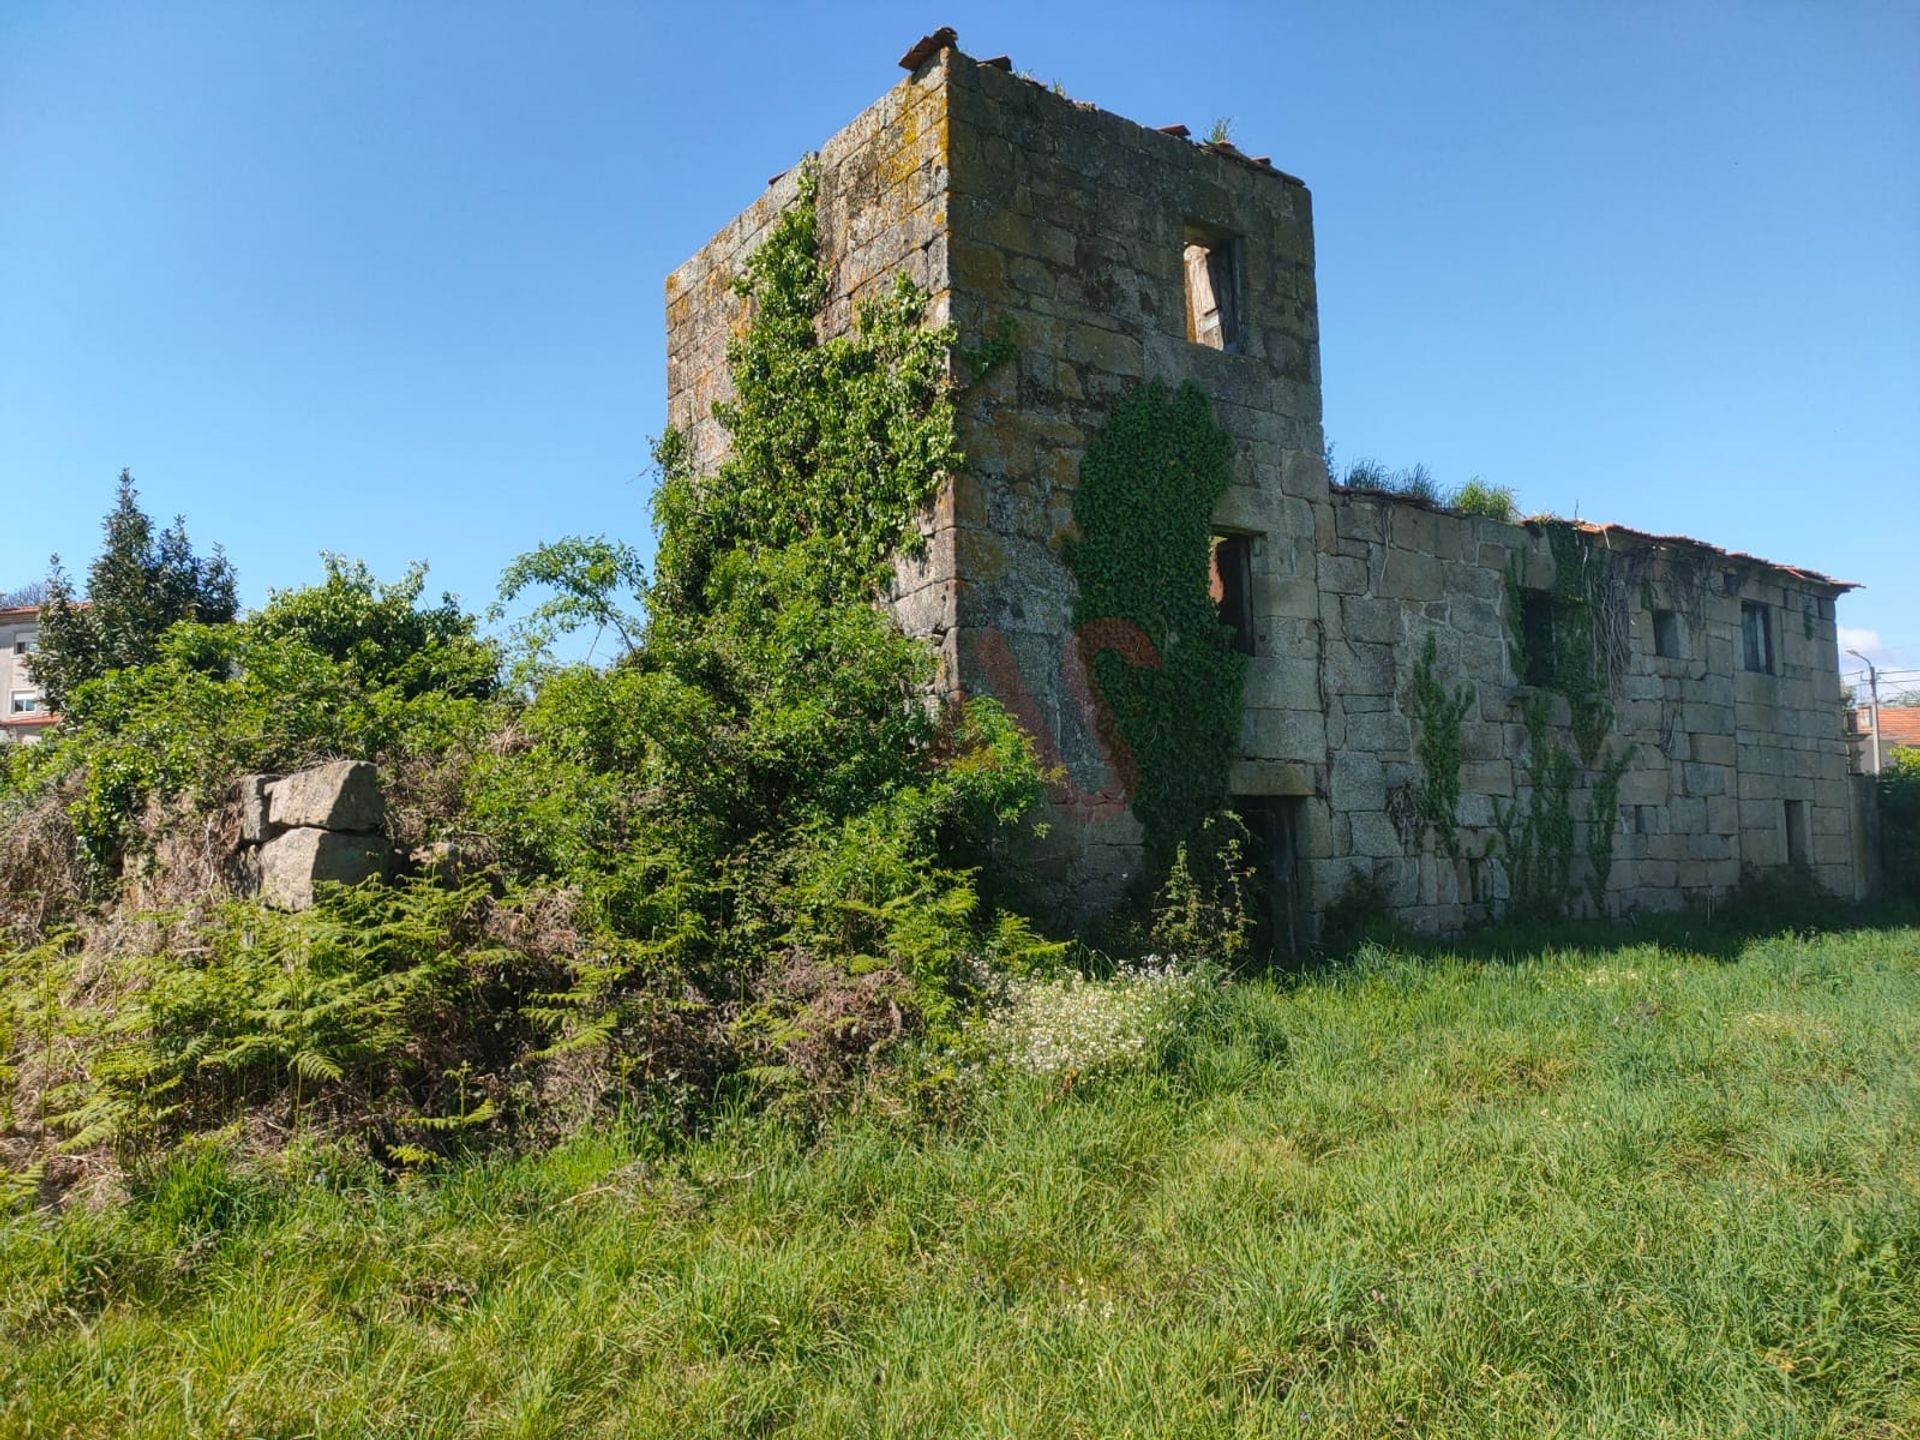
x=1585, y=657
x=1144, y=511
x=1438, y=712
x=835, y=443
x=1538, y=842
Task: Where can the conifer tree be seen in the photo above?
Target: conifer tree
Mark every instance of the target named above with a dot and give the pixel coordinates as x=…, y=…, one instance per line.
x=141, y=584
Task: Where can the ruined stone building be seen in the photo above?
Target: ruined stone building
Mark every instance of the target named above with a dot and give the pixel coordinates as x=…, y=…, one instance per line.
x=1111, y=254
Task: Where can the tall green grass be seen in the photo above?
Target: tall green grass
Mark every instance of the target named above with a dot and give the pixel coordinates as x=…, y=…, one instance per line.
x=1625, y=1190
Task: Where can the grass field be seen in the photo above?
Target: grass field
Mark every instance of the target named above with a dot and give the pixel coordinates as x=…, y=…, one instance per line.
x=1614, y=1190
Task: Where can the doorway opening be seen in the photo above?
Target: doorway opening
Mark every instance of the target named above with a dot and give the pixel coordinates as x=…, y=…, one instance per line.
x=1276, y=828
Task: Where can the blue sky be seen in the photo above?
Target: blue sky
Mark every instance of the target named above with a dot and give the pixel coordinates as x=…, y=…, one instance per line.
x=386, y=279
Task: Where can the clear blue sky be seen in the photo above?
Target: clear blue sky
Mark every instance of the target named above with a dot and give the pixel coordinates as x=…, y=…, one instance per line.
x=386, y=279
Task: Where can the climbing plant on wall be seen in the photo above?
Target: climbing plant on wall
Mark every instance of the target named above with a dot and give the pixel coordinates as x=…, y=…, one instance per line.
x=1144, y=511
x=1438, y=712
x=1585, y=655
x=837, y=443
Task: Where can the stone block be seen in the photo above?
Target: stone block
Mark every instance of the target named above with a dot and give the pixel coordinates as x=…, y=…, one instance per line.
x=294, y=862
x=1713, y=749
x=1710, y=847
x=1366, y=617
x=1284, y=735
x=1723, y=815
x=1703, y=779
x=1381, y=731
x=1353, y=668
x=1411, y=576
x=1280, y=683
x=1374, y=835
x=1687, y=815
x=1342, y=574
x=1487, y=777
x=344, y=795
x=255, y=825
x=1358, y=782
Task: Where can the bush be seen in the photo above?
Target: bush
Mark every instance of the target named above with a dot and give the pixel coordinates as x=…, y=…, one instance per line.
x=752, y=852
x=1899, y=787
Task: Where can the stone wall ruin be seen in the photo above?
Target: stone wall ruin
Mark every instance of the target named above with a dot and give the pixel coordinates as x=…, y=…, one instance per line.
x=1080, y=234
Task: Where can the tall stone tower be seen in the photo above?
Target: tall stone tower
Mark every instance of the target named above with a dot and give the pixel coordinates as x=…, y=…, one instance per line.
x=1111, y=253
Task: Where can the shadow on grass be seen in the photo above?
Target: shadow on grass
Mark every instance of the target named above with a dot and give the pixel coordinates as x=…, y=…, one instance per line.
x=1761, y=907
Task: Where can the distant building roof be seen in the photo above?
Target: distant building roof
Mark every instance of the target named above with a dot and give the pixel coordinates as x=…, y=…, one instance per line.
x=1899, y=724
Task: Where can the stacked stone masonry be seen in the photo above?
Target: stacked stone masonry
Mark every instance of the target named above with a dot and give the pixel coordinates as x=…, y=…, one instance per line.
x=1025, y=213
x=317, y=826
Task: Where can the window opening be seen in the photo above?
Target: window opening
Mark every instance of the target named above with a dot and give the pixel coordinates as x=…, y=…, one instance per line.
x=1756, y=636
x=1213, y=293
x=1230, y=582
x=1666, y=634
x=1536, y=632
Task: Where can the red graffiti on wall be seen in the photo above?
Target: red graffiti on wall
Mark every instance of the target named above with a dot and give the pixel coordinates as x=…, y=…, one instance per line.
x=1002, y=673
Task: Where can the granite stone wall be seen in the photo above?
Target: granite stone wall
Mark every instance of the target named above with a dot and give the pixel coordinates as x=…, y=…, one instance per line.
x=1029, y=216
x=1716, y=749
x=1068, y=231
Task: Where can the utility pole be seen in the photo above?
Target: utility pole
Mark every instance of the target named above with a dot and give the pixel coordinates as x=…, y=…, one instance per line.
x=1873, y=708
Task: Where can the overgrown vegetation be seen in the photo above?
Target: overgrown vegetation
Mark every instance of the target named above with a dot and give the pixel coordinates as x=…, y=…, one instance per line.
x=746, y=859
x=1148, y=486
x=1417, y=482
x=1899, y=788
x=1437, y=713
x=1646, y=1187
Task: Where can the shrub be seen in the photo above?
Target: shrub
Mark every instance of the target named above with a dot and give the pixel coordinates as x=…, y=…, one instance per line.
x=384, y=1005
x=1201, y=911
x=751, y=850
x=345, y=668
x=1368, y=474
x=1899, y=786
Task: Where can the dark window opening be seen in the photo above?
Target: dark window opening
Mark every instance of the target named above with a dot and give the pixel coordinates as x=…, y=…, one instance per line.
x=1756, y=636
x=1666, y=634
x=1275, y=888
x=1213, y=292
x=1536, y=635
x=1230, y=582
x=1796, y=818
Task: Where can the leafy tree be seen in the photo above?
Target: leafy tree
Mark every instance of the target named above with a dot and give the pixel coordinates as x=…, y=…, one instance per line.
x=142, y=584
x=589, y=578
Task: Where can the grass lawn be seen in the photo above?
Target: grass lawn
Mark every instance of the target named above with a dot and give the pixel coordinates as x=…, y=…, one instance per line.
x=1624, y=1189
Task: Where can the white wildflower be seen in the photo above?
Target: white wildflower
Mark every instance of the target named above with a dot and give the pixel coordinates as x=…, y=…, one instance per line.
x=1076, y=1026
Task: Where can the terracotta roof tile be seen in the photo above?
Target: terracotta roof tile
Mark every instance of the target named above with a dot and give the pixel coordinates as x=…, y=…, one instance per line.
x=1899, y=724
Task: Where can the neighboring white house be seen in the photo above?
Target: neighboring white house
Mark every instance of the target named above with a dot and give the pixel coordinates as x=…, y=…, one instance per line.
x=23, y=713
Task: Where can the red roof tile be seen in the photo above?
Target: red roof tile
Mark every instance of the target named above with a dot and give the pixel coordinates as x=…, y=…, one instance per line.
x=1899, y=724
